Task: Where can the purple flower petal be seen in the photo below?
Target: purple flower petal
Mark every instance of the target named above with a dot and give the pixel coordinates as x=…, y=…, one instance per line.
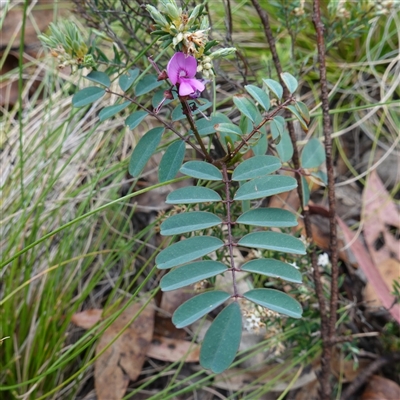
x=185, y=87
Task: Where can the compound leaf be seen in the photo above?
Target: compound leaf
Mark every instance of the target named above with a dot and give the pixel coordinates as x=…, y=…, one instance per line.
x=187, y=250
x=246, y=107
x=197, y=307
x=290, y=81
x=144, y=150
x=171, y=161
x=274, y=87
x=265, y=186
x=273, y=241
x=259, y=96
x=99, y=77
x=313, y=154
x=201, y=170
x=188, y=222
x=126, y=80
x=271, y=217
x=192, y=194
x=191, y=273
x=87, y=96
x=276, y=301
x=222, y=340
x=147, y=84
x=135, y=119
x=273, y=268
x=255, y=167
x=110, y=111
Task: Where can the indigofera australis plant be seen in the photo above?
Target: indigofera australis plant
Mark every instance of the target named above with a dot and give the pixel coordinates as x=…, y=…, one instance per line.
x=225, y=183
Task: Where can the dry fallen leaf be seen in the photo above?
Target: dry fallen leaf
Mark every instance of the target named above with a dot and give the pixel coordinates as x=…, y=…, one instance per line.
x=390, y=271
x=371, y=272
x=166, y=349
x=379, y=215
x=123, y=359
x=380, y=388
x=88, y=318
x=346, y=370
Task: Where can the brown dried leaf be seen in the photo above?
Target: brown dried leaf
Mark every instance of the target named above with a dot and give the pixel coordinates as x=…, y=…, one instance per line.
x=346, y=370
x=371, y=272
x=390, y=271
x=380, y=213
x=166, y=349
x=123, y=359
x=380, y=388
x=88, y=318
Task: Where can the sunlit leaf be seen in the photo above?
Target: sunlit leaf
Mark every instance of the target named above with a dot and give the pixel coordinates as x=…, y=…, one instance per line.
x=191, y=273
x=290, y=81
x=255, y=167
x=126, y=80
x=192, y=194
x=197, y=307
x=135, y=119
x=313, y=154
x=171, y=161
x=273, y=268
x=147, y=84
x=87, y=96
x=265, y=186
x=259, y=96
x=99, y=77
x=222, y=340
x=201, y=170
x=187, y=250
x=276, y=301
x=188, y=222
x=110, y=111
x=274, y=87
x=246, y=107
x=144, y=150
x=273, y=241
x=271, y=217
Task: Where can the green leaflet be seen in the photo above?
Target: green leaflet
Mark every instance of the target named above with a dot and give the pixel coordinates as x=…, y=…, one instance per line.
x=171, y=161
x=313, y=154
x=145, y=148
x=110, y=111
x=285, y=147
x=197, y=307
x=99, y=77
x=273, y=268
x=192, y=194
x=126, y=80
x=187, y=250
x=265, y=186
x=255, y=167
x=273, y=241
x=259, y=95
x=147, y=84
x=306, y=191
x=290, y=81
x=188, y=222
x=191, y=273
x=276, y=301
x=296, y=113
x=222, y=339
x=246, y=107
x=270, y=217
x=135, y=119
x=274, y=87
x=228, y=128
x=87, y=96
x=201, y=170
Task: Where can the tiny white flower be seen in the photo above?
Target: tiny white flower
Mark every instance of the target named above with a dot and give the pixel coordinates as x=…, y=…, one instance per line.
x=323, y=260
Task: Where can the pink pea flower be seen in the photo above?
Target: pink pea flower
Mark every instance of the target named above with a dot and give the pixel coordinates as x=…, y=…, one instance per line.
x=182, y=69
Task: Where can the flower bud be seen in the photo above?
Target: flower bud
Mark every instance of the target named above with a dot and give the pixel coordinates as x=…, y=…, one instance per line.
x=223, y=52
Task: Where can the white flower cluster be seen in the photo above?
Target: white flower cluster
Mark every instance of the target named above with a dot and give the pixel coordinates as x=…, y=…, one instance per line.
x=323, y=260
